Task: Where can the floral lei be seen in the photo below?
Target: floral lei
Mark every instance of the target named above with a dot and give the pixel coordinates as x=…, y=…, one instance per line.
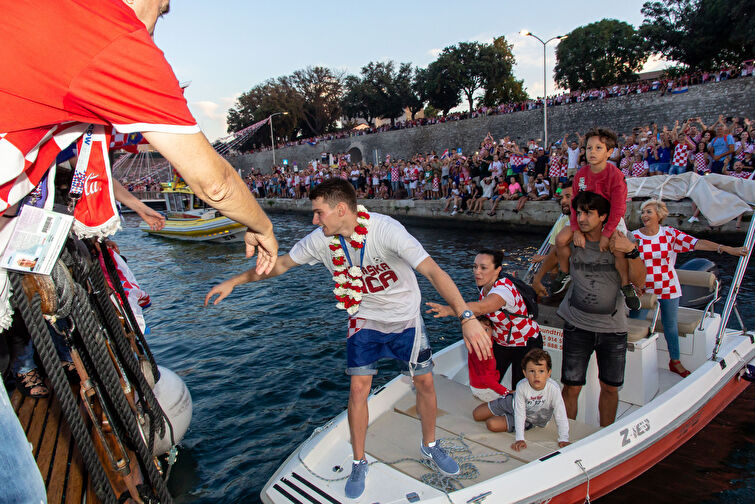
x=349, y=286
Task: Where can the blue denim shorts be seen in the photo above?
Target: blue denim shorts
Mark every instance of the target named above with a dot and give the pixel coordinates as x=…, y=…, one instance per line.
x=609, y=348
x=366, y=347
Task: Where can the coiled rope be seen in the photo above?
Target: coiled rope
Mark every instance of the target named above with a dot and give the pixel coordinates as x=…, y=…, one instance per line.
x=456, y=447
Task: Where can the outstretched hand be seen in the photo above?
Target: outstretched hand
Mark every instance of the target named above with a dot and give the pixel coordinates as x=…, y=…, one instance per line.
x=439, y=310
x=154, y=219
x=222, y=290
x=267, y=250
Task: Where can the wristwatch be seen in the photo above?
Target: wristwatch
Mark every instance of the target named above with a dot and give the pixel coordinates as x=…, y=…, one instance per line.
x=634, y=254
x=466, y=315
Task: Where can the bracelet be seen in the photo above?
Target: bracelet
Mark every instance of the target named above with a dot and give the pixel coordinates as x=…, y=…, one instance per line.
x=467, y=320
x=719, y=248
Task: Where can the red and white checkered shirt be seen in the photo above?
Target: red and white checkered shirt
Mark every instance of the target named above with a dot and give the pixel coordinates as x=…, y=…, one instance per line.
x=701, y=163
x=743, y=174
x=558, y=167
x=659, y=253
x=522, y=328
x=681, y=151
x=638, y=168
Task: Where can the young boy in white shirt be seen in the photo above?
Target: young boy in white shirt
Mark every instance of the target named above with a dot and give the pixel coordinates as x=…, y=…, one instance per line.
x=536, y=400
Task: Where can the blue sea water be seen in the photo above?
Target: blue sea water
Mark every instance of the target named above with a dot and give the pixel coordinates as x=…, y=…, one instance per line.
x=265, y=366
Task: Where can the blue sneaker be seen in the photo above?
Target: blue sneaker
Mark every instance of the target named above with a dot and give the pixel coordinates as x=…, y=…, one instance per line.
x=355, y=483
x=443, y=461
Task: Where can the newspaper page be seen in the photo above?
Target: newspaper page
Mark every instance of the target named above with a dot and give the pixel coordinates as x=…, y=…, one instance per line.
x=36, y=241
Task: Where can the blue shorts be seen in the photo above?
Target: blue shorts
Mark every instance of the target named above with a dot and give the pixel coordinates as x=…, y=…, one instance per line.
x=371, y=340
x=660, y=167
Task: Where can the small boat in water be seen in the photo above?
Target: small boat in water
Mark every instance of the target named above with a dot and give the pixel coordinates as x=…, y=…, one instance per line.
x=658, y=411
x=189, y=218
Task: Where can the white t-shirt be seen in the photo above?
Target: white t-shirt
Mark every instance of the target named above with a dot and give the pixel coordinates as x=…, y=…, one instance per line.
x=573, y=157
x=538, y=406
x=487, y=189
x=389, y=258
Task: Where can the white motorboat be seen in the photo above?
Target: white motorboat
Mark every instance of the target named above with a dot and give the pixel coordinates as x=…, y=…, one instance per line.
x=658, y=411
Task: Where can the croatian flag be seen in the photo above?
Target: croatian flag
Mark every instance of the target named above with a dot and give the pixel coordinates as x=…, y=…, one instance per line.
x=444, y=155
x=312, y=142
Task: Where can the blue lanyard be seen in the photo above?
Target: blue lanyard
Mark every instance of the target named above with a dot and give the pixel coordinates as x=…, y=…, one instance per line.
x=346, y=251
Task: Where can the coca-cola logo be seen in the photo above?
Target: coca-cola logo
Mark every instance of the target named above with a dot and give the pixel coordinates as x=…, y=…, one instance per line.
x=92, y=184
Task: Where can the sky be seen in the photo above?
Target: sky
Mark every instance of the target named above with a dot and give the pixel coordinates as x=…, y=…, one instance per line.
x=226, y=47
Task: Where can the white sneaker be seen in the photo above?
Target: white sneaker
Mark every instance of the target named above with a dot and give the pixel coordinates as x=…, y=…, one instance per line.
x=693, y=219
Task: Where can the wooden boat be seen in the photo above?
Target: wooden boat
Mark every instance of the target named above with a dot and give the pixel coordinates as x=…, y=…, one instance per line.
x=189, y=218
x=658, y=411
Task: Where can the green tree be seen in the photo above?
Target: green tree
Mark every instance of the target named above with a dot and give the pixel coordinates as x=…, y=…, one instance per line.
x=599, y=54
x=700, y=34
x=442, y=90
x=318, y=103
x=410, y=88
x=505, y=88
x=354, y=101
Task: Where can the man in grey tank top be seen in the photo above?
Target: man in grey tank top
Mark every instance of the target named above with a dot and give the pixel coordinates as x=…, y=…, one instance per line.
x=593, y=309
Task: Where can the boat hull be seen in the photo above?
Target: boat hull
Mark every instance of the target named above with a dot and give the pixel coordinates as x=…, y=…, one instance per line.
x=217, y=230
x=611, y=456
x=623, y=473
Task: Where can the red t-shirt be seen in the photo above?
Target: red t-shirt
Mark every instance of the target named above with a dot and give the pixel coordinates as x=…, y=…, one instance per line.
x=610, y=184
x=71, y=63
x=483, y=374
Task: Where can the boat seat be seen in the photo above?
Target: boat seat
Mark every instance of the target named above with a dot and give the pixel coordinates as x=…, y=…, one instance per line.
x=688, y=319
x=697, y=278
x=638, y=329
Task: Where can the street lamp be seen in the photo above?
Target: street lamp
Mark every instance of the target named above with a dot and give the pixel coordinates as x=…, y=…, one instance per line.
x=526, y=33
x=272, y=138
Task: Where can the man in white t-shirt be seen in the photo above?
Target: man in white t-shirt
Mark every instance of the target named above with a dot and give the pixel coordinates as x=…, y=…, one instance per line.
x=376, y=255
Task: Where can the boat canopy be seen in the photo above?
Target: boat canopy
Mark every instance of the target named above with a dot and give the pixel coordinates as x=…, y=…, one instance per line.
x=720, y=198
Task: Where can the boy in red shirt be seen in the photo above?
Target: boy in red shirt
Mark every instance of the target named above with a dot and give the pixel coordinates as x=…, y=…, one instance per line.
x=603, y=178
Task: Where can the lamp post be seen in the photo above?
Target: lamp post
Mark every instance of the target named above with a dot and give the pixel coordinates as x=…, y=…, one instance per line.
x=527, y=33
x=272, y=138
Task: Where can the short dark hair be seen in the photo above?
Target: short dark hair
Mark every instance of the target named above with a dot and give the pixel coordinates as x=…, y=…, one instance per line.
x=496, y=254
x=334, y=191
x=484, y=320
x=606, y=136
x=588, y=200
x=536, y=355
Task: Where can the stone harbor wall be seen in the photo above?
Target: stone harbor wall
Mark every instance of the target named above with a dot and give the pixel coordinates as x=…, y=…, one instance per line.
x=729, y=98
x=535, y=217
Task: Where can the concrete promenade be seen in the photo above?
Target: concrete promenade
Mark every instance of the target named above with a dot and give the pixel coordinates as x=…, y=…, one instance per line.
x=535, y=217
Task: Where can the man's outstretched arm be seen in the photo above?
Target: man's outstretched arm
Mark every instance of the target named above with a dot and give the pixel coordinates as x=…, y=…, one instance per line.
x=215, y=181
x=475, y=337
x=223, y=289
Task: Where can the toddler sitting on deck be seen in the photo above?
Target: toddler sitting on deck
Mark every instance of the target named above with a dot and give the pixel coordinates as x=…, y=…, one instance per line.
x=537, y=398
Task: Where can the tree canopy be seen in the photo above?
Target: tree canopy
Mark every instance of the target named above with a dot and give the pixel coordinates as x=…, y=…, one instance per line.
x=599, y=54
x=700, y=34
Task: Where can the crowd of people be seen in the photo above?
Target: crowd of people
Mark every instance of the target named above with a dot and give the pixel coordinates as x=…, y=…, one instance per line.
x=505, y=170
x=663, y=85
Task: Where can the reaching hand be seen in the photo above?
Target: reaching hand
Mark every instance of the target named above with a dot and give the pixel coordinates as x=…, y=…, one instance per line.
x=439, y=310
x=620, y=242
x=477, y=340
x=537, y=258
x=267, y=250
x=222, y=290
x=604, y=240
x=154, y=219
x=578, y=238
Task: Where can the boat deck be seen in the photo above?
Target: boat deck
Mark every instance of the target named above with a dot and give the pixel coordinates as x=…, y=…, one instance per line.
x=55, y=451
x=393, y=436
